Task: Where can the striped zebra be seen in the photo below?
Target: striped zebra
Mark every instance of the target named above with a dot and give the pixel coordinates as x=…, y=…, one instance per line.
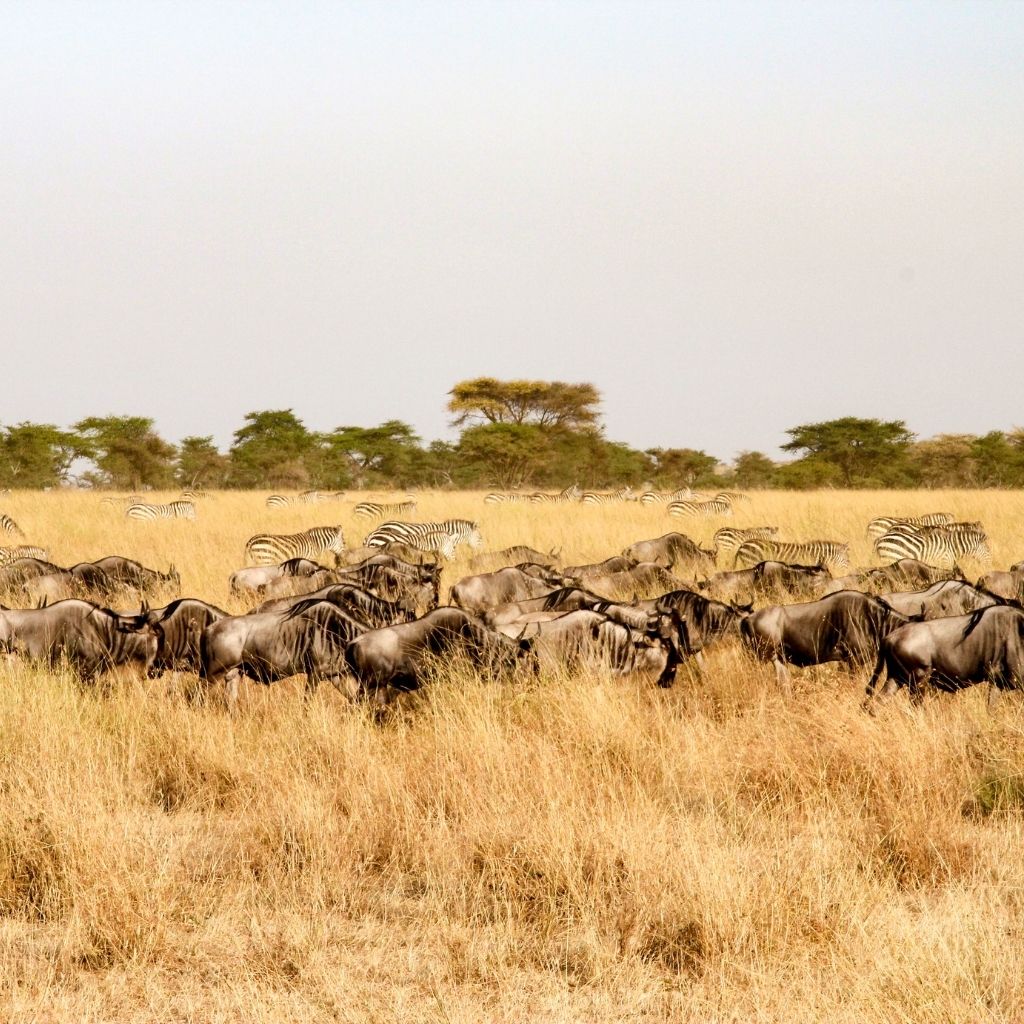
x=734, y=497
x=939, y=545
x=660, y=497
x=729, y=538
x=8, y=525
x=443, y=537
x=121, y=501
x=274, y=548
x=172, y=510
x=708, y=509
x=570, y=493
x=378, y=510
x=192, y=495
x=8, y=555
x=885, y=524
x=607, y=497
x=832, y=554
x=507, y=498
x=305, y=498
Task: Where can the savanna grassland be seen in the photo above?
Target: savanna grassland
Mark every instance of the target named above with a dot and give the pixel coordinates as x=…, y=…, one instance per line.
x=579, y=848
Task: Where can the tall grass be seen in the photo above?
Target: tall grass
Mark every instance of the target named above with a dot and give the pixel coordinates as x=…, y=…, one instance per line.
x=572, y=848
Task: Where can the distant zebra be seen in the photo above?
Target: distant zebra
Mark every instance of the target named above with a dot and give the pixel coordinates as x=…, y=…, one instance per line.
x=192, y=495
x=114, y=500
x=729, y=538
x=8, y=525
x=443, y=537
x=507, y=498
x=570, y=493
x=714, y=507
x=305, y=498
x=884, y=524
x=378, y=510
x=274, y=548
x=733, y=496
x=172, y=510
x=832, y=554
x=938, y=545
x=607, y=497
x=8, y=555
x=660, y=497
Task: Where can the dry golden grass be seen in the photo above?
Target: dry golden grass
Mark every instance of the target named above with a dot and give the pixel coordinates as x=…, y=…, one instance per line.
x=583, y=848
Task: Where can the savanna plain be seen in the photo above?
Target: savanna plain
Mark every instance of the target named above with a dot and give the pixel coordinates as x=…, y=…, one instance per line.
x=574, y=847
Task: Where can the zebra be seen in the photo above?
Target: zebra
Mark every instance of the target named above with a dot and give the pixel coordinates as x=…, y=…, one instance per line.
x=607, y=497
x=114, y=500
x=570, y=493
x=509, y=497
x=443, y=537
x=173, y=510
x=884, y=524
x=274, y=548
x=733, y=496
x=8, y=555
x=714, y=507
x=938, y=545
x=378, y=510
x=660, y=497
x=8, y=525
x=729, y=538
x=192, y=495
x=305, y=498
x=832, y=554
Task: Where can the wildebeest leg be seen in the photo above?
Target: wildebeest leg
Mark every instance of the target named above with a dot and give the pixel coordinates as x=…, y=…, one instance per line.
x=231, y=678
x=916, y=687
x=702, y=663
x=993, y=697
x=782, y=677
x=347, y=686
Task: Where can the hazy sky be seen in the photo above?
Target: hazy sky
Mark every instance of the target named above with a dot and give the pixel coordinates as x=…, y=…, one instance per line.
x=731, y=218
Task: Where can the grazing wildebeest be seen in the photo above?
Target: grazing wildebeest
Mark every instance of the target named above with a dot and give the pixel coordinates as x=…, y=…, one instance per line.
x=986, y=646
x=950, y=597
x=23, y=569
x=477, y=594
x=359, y=603
x=136, y=576
x=307, y=639
x=766, y=579
x=92, y=638
x=393, y=584
x=566, y=599
x=1008, y=585
x=673, y=551
x=846, y=627
x=590, y=637
x=514, y=555
x=395, y=659
x=707, y=620
x=297, y=586
x=176, y=629
x=84, y=580
x=249, y=580
x=645, y=576
x=617, y=563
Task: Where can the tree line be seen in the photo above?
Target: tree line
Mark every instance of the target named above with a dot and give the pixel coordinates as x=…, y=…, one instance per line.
x=512, y=434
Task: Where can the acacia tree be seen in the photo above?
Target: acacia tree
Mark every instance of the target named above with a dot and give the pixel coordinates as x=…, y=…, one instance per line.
x=271, y=450
x=127, y=451
x=860, y=450
x=538, y=402
x=200, y=464
x=36, y=455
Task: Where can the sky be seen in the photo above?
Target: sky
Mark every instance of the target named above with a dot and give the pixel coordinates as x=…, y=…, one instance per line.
x=732, y=218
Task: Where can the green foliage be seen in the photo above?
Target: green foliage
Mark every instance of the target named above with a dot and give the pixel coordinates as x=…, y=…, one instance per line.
x=388, y=455
x=753, y=469
x=36, y=455
x=865, y=452
x=127, y=452
x=271, y=450
x=683, y=467
x=200, y=464
x=538, y=402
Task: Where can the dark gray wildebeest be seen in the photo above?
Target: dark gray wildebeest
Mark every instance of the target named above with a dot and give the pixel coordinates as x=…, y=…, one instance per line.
x=906, y=572
x=93, y=639
x=546, y=574
x=566, y=599
x=588, y=637
x=361, y=604
x=478, y=594
x=249, y=580
x=845, y=627
x=514, y=555
x=617, y=563
x=1007, y=585
x=297, y=586
x=707, y=621
x=768, y=580
x=389, y=661
x=134, y=576
x=84, y=580
x=673, y=551
x=22, y=569
x=950, y=597
x=643, y=577
x=307, y=639
x=986, y=646
x=176, y=629
x=395, y=585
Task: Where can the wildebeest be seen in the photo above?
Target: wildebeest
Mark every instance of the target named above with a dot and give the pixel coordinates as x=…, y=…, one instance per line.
x=176, y=629
x=617, y=563
x=394, y=659
x=707, y=620
x=952, y=653
x=393, y=584
x=135, y=576
x=22, y=569
x=846, y=627
x=565, y=599
x=250, y=579
x=514, y=555
x=307, y=639
x=590, y=637
x=645, y=576
x=902, y=573
x=83, y=580
x=92, y=638
x=477, y=594
x=950, y=597
x=673, y=551
x=361, y=604
x=766, y=579
x=1008, y=585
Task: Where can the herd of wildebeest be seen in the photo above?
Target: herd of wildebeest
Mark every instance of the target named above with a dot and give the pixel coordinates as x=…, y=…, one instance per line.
x=373, y=624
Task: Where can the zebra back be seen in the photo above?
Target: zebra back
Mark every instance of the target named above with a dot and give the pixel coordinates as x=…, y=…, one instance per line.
x=377, y=510
x=443, y=537
x=833, y=554
x=886, y=524
x=8, y=555
x=274, y=548
x=729, y=538
x=278, y=501
x=939, y=545
x=8, y=525
x=172, y=510
x=607, y=497
x=714, y=507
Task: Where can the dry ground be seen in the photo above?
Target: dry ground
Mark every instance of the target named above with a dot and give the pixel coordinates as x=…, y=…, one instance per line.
x=582, y=849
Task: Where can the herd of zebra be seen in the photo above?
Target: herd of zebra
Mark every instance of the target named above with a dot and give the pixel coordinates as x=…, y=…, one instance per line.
x=681, y=503
x=373, y=624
